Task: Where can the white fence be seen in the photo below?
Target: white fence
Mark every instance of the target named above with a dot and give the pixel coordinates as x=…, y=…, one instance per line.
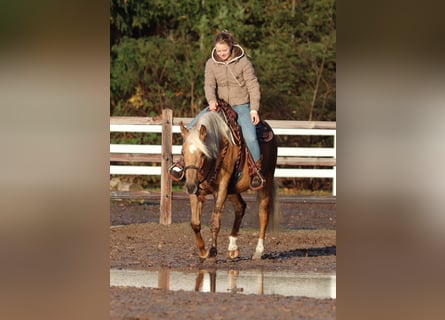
x=322, y=158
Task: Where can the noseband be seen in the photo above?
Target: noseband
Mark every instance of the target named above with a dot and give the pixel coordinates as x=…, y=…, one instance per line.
x=191, y=167
x=201, y=176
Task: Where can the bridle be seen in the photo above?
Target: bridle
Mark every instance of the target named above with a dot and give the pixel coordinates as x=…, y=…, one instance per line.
x=191, y=167
x=203, y=175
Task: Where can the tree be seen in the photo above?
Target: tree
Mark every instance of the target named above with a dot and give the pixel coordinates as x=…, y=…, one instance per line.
x=159, y=49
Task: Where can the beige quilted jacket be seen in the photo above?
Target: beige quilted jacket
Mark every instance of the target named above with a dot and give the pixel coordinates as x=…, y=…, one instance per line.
x=233, y=80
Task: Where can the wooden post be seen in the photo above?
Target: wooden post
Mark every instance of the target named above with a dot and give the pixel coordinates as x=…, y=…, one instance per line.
x=167, y=157
x=164, y=279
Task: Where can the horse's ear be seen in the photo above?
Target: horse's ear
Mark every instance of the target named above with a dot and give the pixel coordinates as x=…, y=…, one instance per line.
x=183, y=129
x=202, y=132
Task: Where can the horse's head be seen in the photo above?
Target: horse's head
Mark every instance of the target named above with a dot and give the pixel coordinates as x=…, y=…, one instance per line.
x=192, y=151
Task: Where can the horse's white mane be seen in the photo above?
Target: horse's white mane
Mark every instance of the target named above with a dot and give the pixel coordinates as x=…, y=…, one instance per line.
x=217, y=129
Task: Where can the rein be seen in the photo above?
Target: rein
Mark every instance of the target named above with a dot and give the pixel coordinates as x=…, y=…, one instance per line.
x=220, y=162
x=243, y=154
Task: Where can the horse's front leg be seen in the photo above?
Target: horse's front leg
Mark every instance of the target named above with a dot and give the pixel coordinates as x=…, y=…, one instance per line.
x=215, y=225
x=239, y=205
x=196, y=206
x=215, y=222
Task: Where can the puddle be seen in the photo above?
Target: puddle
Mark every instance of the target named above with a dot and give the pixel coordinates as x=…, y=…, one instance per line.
x=311, y=285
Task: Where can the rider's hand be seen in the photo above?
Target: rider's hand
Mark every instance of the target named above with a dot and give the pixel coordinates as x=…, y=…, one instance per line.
x=255, y=117
x=212, y=105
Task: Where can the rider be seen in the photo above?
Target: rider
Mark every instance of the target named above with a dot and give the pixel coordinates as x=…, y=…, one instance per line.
x=230, y=76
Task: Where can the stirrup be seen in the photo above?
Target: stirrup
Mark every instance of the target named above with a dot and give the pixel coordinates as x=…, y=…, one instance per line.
x=257, y=181
x=176, y=172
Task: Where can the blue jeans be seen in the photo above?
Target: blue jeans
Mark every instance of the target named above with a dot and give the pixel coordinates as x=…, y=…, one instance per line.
x=247, y=128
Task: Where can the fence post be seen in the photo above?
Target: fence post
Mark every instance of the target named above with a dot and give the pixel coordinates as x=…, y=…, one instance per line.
x=167, y=157
x=334, y=180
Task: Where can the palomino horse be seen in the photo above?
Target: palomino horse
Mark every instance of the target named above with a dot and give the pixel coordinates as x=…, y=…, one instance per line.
x=210, y=158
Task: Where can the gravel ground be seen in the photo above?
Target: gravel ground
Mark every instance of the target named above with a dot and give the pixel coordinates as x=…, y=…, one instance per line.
x=304, y=242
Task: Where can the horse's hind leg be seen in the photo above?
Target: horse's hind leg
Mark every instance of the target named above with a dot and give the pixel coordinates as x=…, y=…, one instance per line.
x=263, y=213
x=239, y=205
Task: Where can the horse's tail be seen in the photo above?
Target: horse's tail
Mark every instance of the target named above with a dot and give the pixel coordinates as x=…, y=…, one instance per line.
x=269, y=163
x=274, y=208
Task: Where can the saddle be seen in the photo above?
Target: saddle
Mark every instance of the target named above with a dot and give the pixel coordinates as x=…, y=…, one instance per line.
x=263, y=130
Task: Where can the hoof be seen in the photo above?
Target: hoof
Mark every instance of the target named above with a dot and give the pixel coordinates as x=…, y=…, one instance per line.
x=232, y=254
x=209, y=255
x=202, y=258
x=212, y=253
x=257, y=256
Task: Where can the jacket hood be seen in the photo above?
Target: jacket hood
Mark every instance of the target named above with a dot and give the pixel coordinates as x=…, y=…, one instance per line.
x=237, y=53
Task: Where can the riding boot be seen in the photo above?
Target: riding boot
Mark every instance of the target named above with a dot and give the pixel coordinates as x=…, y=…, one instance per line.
x=257, y=180
x=176, y=171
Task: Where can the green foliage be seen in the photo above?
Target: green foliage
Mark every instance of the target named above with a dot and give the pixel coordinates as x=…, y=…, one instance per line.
x=135, y=138
x=159, y=49
x=145, y=77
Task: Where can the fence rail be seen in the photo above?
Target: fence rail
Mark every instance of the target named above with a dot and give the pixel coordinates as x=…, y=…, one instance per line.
x=322, y=158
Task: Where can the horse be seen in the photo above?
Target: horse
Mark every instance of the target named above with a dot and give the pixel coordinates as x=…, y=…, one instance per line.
x=210, y=167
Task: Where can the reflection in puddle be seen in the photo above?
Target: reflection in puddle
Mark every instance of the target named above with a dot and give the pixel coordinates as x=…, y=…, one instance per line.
x=246, y=282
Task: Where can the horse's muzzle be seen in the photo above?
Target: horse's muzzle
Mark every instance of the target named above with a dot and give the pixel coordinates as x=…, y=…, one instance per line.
x=191, y=188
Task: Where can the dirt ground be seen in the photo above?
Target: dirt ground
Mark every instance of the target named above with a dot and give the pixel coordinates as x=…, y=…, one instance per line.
x=304, y=242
